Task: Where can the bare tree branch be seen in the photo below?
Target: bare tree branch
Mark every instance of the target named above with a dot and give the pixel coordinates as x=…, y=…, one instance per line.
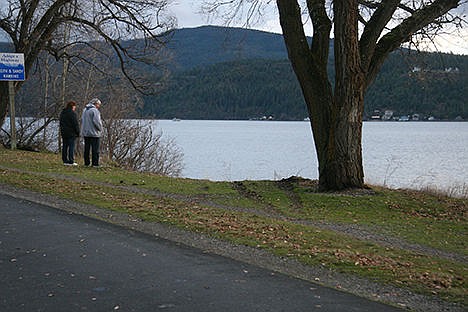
x=322, y=28
x=336, y=115
x=403, y=32
x=35, y=25
x=374, y=28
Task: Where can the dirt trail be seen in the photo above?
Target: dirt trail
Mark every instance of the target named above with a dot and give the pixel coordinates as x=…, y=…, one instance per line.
x=357, y=231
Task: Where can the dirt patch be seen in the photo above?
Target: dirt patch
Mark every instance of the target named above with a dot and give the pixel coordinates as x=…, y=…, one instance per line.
x=288, y=185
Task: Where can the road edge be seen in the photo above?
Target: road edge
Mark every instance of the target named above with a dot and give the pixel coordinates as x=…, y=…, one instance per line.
x=323, y=276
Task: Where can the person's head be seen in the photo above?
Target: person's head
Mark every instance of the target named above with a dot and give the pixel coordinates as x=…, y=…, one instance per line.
x=96, y=102
x=71, y=105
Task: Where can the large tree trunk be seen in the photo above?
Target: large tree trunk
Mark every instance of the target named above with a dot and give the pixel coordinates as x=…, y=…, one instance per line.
x=341, y=166
x=340, y=161
x=337, y=135
x=336, y=116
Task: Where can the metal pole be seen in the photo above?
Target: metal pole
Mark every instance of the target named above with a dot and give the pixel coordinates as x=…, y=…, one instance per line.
x=11, y=95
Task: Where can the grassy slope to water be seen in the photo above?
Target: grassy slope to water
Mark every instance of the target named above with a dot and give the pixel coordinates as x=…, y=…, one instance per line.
x=403, y=238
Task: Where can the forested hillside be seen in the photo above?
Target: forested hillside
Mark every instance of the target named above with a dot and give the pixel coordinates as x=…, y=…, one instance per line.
x=207, y=45
x=233, y=90
x=428, y=84
x=234, y=73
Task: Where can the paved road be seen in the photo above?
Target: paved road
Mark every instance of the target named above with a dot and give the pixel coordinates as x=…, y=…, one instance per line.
x=54, y=261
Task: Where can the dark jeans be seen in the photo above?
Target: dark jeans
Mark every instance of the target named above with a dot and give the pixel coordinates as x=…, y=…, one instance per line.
x=68, y=150
x=91, y=143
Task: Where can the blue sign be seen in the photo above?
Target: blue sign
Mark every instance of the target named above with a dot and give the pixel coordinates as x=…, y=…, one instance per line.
x=12, y=67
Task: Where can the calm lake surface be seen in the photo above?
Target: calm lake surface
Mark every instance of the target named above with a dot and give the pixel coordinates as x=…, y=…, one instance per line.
x=396, y=154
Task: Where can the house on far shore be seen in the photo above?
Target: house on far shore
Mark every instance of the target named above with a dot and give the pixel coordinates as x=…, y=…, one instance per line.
x=388, y=115
x=404, y=118
x=376, y=115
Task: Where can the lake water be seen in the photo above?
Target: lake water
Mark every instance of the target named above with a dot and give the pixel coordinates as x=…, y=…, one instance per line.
x=396, y=154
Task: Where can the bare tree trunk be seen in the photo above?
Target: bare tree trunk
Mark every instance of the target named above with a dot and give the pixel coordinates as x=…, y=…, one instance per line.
x=342, y=163
x=338, y=138
x=46, y=96
x=3, y=101
x=336, y=117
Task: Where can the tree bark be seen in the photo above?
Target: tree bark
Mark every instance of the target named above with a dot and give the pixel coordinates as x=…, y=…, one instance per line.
x=343, y=167
x=336, y=116
x=3, y=101
x=33, y=26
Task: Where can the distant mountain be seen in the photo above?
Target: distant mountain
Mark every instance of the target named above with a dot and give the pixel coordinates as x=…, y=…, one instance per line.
x=234, y=73
x=232, y=90
x=256, y=88
x=207, y=45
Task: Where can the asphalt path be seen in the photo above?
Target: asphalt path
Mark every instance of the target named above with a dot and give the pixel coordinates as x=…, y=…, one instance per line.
x=51, y=260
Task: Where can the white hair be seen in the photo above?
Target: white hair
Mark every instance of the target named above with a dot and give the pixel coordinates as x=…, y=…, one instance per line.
x=95, y=101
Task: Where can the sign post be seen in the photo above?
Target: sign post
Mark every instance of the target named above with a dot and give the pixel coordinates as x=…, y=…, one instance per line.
x=11, y=95
x=12, y=69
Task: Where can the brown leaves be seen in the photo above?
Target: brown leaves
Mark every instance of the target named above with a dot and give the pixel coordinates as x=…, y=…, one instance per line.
x=428, y=206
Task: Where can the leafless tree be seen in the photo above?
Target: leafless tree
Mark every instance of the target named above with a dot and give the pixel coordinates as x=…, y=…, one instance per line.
x=365, y=32
x=34, y=26
x=132, y=143
x=38, y=108
x=127, y=142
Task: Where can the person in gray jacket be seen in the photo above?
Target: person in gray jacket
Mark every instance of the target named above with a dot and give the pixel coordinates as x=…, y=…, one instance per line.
x=91, y=130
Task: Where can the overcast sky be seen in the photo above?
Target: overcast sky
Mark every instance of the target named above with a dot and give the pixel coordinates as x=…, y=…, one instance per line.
x=187, y=15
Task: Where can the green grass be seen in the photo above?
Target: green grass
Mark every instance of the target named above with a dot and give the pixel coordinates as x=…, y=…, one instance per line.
x=426, y=219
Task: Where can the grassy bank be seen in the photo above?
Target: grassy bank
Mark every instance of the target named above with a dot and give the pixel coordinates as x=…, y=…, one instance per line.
x=405, y=238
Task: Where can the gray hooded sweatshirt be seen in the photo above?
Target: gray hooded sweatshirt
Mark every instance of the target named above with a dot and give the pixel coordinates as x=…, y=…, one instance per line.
x=91, y=124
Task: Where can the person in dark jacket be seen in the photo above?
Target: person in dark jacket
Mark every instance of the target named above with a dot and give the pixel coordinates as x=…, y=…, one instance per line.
x=69, y=130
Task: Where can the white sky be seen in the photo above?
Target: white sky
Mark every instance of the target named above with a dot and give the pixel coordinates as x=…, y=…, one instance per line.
x=186, y=12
